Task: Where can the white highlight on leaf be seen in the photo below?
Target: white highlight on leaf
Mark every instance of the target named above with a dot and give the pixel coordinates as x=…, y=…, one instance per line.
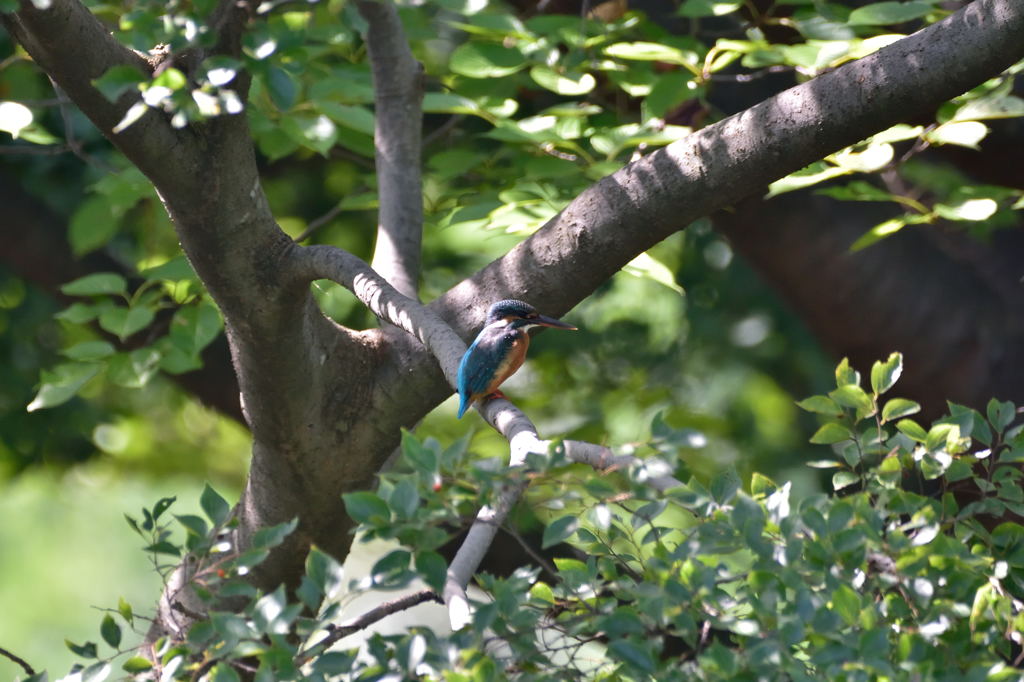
x=14, y=117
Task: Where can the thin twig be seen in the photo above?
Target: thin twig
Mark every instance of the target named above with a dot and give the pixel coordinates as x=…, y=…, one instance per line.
x=748, y=77
x=336, y=633
x=534, y=554
x=317, y=223
x=442, y=129
x=29, y=670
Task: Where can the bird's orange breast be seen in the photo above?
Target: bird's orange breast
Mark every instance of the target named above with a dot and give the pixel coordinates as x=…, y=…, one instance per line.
x=512, y=361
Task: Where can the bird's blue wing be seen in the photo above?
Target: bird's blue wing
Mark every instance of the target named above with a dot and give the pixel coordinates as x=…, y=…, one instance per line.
x=476, y=370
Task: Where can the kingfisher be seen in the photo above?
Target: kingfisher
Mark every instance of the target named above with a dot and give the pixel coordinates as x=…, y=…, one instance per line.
x=499, y=350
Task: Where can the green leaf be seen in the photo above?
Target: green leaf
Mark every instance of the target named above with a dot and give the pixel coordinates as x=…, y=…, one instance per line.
x=761, y=485
x=272, y=536
x=194, y=327
x=282, y=88
x=912, y=430
x=87, y=650
x=887, y=13
x=79, y=313
x=821, y=405
x=811, y=175
x=844, y=479
x=970, y=210
x=163, y=547
x=110, y=631
x=14, y=117
x=885, y=374
x=846, y=374
x=134, y=369
x=422, y=458
x=899, y=407
x=708, y=8
x=632, y=654
x=315, y=132
x=485, y=60
x=652, y=52
x=878, y=233
x=392, y=567
x=174, y=270
x=194, y=524
x=123, y=322
x=356, y=117
x=224, y=672
x=960, y=133
x=136, y=664
x=96, y=284
x=97, y=672
x=367, y=508
x=846, y=603
x=61, y=384
x=646, y=266
x=125, y=609
x=404, y=499
x=432, y=568
x=89, y=350
x=214, y=506
x=852, y=395
x=724, y=487
x=1000, y=414
x=92, y=225
x=569, y=84
x=939, y=435
x=1004, y=106
x=325, y=572
x=170, y=78
x=559, y=530
x=335, y=662
x=831, y=433
x=117, y=80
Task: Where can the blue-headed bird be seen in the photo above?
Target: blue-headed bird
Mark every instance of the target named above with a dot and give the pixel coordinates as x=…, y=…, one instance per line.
x=499, y=350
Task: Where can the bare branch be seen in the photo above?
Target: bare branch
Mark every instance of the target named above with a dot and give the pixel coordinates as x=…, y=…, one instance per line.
x=398, y=93
x=19, y=660
x=336, y=633
x=602, y=458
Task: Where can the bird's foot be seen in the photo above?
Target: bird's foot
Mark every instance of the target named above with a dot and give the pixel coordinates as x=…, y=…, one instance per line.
x=496, y=394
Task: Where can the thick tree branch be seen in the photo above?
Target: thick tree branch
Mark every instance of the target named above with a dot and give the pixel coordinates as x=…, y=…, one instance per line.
x=398, y=93
x=631, y=210
x=51, y=37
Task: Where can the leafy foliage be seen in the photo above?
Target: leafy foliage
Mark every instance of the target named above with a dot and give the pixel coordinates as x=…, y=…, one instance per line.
x=897, y=573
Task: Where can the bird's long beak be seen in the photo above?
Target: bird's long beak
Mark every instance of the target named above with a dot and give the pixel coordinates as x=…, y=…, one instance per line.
x=543, y=321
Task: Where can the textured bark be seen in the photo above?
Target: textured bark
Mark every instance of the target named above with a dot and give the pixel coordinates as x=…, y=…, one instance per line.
x=398, y=93
x=325, y=403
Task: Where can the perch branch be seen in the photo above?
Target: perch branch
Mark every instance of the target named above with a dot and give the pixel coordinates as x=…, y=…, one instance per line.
x=398, y=94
